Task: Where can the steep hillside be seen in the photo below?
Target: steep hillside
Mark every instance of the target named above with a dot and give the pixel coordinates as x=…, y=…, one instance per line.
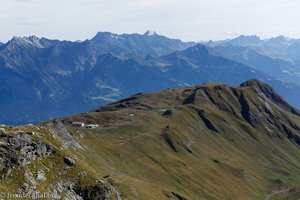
x=211, y=141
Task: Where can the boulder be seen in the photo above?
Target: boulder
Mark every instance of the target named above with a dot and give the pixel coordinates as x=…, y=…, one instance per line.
x=40, y=176
x=41, y=149
x=20, y=149
x=3, y=132
x=69, y=161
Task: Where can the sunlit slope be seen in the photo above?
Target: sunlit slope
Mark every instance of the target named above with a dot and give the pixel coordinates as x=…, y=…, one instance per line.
x=210, y=141
x=206, y=142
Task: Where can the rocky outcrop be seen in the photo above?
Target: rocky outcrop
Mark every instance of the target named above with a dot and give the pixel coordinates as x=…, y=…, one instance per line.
x=73, y=190
x=270, y=94
x=97, y=192
x=19, y=149
x=3, y=132
x=59, y=131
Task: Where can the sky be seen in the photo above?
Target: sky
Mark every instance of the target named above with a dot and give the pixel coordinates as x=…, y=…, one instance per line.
x=189, y=20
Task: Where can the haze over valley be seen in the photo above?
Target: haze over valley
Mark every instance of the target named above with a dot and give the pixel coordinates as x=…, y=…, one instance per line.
x=94, y=107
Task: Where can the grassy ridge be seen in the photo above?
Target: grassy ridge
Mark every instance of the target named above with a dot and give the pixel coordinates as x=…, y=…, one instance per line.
x=205, y=142
x=151, y=155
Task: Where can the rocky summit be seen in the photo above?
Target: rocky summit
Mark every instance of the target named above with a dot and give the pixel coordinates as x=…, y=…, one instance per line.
x=210, y=141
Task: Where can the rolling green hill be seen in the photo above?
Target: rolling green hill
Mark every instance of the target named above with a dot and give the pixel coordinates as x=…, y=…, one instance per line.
x=211, y=141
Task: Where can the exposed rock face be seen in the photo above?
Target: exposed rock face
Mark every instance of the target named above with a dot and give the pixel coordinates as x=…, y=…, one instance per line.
x=41, y=176
x=58, y=130
x=20, y=149
x=96, y=192
x=271, y=94
x=66, y=188
x=72, y=190
x=3, y=132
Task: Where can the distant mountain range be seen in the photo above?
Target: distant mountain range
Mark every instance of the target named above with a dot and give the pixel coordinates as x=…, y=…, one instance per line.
x=137, y=45
x=42, y=78
x=278, y=56
x=279, y=47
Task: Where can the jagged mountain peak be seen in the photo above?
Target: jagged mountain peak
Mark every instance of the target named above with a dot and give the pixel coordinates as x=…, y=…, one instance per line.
x=101, y=37
x=249, y=37
x=109, y=34
x=278, y=41
x=280, y=38
x=150, y=33
x=199, y=48
x=134, y=44
x=242, y=40
x=103, y=34
x=246, y=40
x=26, y=41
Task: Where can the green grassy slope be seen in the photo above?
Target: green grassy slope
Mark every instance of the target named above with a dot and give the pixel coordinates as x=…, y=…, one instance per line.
x=206, y=142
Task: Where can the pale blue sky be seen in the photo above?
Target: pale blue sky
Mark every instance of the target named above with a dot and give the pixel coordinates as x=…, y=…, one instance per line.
x=185, y=19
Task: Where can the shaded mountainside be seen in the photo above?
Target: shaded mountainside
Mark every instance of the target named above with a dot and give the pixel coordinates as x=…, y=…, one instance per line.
x=270, y=46
x=278, y=57
x=39, y=76
x=42, y=79
x=280, y=68
x=211, y=141
x=200, y=64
